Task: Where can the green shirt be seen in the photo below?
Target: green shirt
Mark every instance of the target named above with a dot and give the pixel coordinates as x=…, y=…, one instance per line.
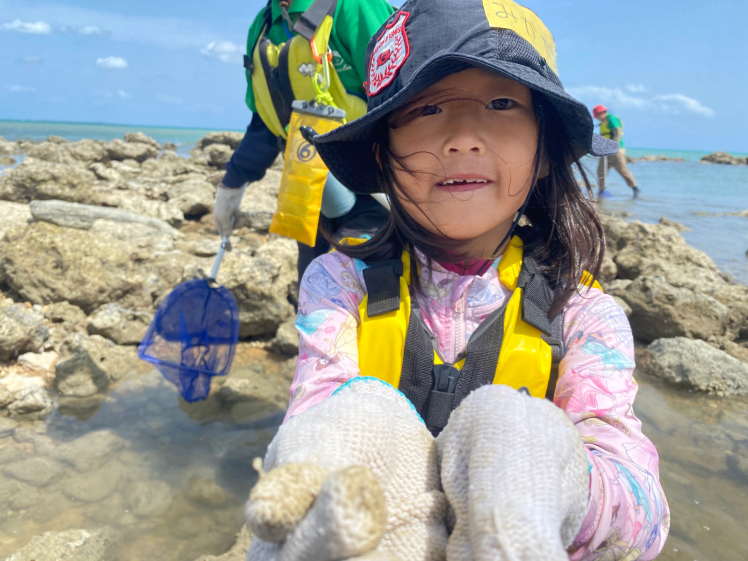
x=609, y=125
x=354, y=23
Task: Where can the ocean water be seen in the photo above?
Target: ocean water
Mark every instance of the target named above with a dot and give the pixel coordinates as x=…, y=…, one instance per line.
x=676, y=190
x=694, y=194
x=40, y=130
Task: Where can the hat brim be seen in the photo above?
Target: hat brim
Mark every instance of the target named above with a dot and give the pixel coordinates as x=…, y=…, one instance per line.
x=348, y=151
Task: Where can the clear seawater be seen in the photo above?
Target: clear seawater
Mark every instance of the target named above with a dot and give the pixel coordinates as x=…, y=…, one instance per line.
x=676, y=190
x=694, y=194
x=40, y=130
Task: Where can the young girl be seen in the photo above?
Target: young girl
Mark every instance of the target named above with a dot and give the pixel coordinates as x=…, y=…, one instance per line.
x=485, y=272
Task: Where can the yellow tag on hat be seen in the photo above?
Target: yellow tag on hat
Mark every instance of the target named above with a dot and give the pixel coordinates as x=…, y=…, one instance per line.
x=507, y=14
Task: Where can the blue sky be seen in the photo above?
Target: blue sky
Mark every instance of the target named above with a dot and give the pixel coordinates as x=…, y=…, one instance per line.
x=673, y=70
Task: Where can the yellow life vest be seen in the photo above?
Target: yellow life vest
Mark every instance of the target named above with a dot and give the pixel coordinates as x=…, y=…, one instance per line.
x=517, y=345
x=605, y=129
x=282, y=74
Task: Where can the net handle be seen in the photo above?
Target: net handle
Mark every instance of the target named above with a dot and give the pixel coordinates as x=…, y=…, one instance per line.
x=219, y=258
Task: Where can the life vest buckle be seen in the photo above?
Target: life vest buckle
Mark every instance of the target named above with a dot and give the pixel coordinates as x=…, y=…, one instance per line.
x=445, y=378
x=442, y=396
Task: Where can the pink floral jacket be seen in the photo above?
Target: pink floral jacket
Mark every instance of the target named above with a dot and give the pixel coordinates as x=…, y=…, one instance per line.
x=628, y=516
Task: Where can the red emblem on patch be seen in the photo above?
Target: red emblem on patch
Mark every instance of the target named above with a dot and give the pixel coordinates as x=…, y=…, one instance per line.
x=388, y=56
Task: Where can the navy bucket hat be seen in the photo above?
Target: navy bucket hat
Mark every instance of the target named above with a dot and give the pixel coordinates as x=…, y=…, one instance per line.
x=428, y=40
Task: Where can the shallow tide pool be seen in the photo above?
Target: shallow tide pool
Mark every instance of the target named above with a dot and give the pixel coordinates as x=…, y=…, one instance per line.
x=173, y=477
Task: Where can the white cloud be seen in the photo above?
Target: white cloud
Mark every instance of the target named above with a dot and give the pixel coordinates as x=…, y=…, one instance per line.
x=90, y=30
x=111, y=62
x=170, y=99
x=669, y=103
x=225, y=51
x=108, y=95
x=15, y=88
x=36, y=28
x=675, y=103
x=205, y=108
x=636, y=88
x=33, y=59
x=166, y=32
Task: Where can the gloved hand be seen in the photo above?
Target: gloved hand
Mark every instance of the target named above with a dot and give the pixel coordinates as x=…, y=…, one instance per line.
x=515, y=473
x=355, y=476
x=226, y=209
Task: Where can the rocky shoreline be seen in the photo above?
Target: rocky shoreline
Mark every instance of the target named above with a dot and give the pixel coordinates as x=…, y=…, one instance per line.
x=95, y=234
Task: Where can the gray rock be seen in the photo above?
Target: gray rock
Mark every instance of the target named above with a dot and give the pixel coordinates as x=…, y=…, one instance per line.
x=144, y=206
x=10, y=453
x=662, y=310
x=124, y=327
x=35, y=179
x=194, y=198
x=64, y=312
x=90, y=487
x=73, y=545
x=238, y=552
x=112, y=262
x=14, y=214
x=7, y=426
x=739, y=461
x=105, y=173
x=675, y=225
x=32, y=403
x=88, y=150
x=261, y=285
x=73, y=215
x=38, y=472
x=218, y=155
x=25, y=496
x=608, y=269
x=148, y=499
x=723, y=158
x=232, y=139
x=655, y=249
x=260, y=203
x=697, y=365
x=170, y=146
x=80, y=372
x=21, y=330
x=7, y=161
x=138, y=151
x=204, y=491
x=614, y=228
x=91, y=451
x=286, y=341
x=142, y=138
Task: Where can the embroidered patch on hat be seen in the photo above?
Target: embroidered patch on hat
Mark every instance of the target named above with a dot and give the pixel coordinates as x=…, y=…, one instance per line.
x=389, y=54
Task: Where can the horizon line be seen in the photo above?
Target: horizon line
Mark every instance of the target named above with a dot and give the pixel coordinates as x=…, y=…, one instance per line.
x=213, y=129
x=2, y=120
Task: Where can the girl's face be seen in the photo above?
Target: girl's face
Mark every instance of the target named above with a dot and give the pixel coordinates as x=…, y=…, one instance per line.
x=471, y=140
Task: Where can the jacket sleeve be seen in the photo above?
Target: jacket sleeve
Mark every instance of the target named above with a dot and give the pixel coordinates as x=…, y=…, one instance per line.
x=627, y=510
x=252, y=158
x=329, y=294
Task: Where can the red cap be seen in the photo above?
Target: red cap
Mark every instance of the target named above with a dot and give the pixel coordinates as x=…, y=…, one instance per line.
x=599, y=109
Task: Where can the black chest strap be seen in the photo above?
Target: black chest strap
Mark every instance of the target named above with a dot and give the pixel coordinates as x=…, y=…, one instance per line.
x=436, y=390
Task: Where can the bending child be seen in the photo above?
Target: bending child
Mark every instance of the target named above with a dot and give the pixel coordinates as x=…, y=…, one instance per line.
x=496, y=333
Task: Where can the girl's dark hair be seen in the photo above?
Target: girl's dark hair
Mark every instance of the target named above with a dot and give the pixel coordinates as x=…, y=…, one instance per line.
x=562, y=233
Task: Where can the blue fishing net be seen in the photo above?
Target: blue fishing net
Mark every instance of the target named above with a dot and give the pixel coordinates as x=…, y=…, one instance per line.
x=193, y=336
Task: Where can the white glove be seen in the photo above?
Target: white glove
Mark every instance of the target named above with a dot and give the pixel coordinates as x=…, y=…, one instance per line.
x=226, y=210
x=515, y=472
x=355, y=475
